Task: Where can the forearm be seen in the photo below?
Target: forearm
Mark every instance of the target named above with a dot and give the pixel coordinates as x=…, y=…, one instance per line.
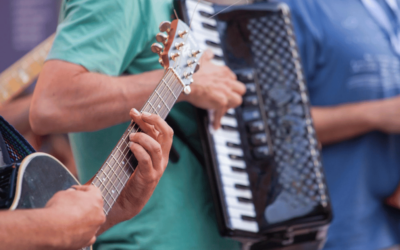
x=72, y=99
x=335, y=124
x=26, y=229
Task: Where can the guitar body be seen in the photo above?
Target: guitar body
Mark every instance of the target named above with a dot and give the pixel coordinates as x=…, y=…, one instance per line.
x=38, y=178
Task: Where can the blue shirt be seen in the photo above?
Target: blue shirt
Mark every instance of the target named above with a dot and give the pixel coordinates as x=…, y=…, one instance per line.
x=347, y=58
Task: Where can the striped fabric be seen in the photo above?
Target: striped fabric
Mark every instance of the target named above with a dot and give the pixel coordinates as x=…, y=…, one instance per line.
x=18, y=148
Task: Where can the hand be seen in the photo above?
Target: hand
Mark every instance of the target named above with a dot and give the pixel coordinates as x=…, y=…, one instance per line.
x=394, y=199
x=385, y=114
x=151, y=149
x=216, y=88
x=77, y=215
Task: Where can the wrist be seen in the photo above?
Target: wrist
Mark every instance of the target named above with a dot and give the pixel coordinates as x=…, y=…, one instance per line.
x=47, y=219
x=117, y=214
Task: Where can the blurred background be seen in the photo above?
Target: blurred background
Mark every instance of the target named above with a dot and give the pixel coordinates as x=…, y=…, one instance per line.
x=25, y=24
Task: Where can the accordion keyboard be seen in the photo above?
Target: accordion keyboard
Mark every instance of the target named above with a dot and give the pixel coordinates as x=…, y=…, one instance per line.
x=231, y=165
x=267, y=164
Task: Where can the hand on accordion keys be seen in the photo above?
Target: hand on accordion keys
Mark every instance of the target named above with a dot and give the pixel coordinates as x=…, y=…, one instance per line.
x=215, y=88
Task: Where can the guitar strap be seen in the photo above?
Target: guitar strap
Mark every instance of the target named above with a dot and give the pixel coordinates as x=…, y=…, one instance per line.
x=174, y=155
x=14, y=148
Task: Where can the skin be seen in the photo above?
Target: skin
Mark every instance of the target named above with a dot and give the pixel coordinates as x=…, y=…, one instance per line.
x=339, y=123
x=71, y=218
x=74, y=217
x=68, y=98
x=343, y=122
x=151, y=149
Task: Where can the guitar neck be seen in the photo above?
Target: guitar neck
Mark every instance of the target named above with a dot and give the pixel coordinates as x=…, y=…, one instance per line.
x=23, y=72
x=120, y=165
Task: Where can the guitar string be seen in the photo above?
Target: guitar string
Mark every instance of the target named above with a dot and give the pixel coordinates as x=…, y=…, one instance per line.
x=166, y=87
x=106, y=170
x=148, y=109
x=109, y=204
x=120, y=168
x=109, y=165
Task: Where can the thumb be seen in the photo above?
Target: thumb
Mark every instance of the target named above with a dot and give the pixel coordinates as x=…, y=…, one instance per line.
x=207, y=55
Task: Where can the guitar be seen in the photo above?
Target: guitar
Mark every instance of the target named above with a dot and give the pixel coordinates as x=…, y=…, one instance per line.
x=32, y=183
x=22, y=73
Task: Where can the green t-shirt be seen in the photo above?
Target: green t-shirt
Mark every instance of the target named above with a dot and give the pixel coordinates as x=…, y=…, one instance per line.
x=114, y=37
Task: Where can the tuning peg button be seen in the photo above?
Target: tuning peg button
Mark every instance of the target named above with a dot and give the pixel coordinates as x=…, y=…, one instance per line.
x=156, y=48
x=162, y=38
x=175, y=55
x=161, y=62
x=191, y=62
x=181, y=34
x=195, y=52
x=178, y=46
x=187, y=90
x=165, y=26
x=187, y=74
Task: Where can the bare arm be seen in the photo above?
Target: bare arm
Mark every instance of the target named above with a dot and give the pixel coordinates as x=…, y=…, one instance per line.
x=70, y=220
x=68, y=98
x=339, y=123
x=34, y=225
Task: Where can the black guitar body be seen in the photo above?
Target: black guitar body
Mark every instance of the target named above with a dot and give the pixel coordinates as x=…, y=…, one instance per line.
x=33, y=182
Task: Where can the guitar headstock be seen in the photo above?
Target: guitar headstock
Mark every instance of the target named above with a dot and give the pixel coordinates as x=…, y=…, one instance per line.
x=178, y=50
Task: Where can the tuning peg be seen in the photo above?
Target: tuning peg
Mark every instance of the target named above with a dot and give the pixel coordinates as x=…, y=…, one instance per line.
x=197, y=68
x=187, y=90
x=175, y=55
x=156, y=48
x=181, y=34
x=165, y=26
x=161, y=62
x=178, y=46
x=187, y=74
x=161, y=38
x=195, y=52
x=191, y=62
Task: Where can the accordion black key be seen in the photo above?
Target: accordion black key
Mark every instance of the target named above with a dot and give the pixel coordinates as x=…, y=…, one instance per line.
x=264, y=164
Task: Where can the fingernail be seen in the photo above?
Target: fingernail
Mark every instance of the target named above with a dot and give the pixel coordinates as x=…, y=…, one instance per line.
x=135, y=111
x=146, y=114
x=131, y=135
x=130, y=144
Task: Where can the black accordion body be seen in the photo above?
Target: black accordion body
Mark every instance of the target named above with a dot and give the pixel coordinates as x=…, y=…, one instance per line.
x=264, y=164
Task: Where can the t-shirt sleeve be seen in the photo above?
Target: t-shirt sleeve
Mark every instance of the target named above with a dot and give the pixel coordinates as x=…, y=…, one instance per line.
x=308, y=33
x=97, y=34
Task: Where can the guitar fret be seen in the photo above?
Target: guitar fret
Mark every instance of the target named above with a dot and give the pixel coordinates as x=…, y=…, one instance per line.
x=108, y=182
x=153, y=108
x=116, y=187
x=118, y=168
x=105, y=197
x=165, y=105
x=125, y=162
x=113, y=184
x=172, y=92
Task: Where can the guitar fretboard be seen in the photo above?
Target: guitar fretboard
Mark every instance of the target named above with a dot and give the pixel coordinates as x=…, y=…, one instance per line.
x=23, y=72
x=120, y=165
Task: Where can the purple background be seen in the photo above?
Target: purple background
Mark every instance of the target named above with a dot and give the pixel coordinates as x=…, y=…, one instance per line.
x=23, y=25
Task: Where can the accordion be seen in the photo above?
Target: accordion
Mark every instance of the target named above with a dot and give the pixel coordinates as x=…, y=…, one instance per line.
x=264, y=164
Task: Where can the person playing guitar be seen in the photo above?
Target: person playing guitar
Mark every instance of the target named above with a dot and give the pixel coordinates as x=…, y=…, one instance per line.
x=99, y=67
x=73, y=218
